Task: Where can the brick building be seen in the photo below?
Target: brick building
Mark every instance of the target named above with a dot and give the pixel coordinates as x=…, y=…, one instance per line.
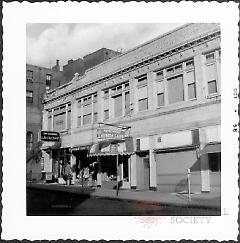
x=162, y=99
x=38, y=79
x=80, y=65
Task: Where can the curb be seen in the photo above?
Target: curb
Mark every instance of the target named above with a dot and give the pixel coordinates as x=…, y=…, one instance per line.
x=164, y=204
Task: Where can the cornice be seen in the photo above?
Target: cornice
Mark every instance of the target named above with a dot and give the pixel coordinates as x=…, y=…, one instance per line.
x=140, y=63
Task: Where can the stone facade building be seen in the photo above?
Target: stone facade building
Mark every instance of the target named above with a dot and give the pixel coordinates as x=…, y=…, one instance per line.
x=165, y=95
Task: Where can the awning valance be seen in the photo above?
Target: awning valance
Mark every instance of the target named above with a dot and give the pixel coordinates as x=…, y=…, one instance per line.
x=112, y=147
x=211, y=148
x=81, y=147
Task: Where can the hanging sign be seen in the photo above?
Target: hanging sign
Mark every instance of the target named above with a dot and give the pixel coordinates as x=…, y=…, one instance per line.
x=50, y=136
x=105, y=133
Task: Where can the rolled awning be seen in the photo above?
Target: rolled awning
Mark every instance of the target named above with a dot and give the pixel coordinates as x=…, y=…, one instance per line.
x=211, y=148
x=112, y=147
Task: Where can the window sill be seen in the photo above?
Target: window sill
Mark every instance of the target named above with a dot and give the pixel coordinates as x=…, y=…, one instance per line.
x=210, y=96
x=141, y=85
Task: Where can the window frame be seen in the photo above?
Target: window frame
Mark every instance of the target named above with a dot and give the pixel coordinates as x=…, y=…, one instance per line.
x=29, y=99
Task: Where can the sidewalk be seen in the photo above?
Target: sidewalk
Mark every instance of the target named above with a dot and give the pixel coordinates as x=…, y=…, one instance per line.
x=201, y=200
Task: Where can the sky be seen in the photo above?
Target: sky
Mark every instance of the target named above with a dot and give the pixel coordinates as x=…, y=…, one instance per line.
x=47, y=42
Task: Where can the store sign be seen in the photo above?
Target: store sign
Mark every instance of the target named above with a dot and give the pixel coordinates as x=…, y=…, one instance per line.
x=103, y=133
x=50, y=136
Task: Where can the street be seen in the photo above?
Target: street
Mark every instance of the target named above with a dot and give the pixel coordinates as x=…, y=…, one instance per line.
x=46, y=203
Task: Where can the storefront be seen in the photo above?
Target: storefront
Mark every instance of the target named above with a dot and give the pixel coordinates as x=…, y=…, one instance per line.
x=113, y=158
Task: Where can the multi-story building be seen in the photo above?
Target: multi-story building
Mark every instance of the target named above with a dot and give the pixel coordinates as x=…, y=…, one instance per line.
x=80, y=65
x=164, y=95
x=38, y=79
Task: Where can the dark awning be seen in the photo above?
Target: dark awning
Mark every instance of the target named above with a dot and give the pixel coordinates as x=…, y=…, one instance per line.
x=112, y=147
x=174, y=149
x=81, y=147
x=211, y=148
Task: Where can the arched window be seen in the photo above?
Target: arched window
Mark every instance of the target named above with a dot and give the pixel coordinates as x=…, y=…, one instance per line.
x=29, y=141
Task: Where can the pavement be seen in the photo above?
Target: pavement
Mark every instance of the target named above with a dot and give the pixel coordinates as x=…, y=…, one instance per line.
x=198, y=200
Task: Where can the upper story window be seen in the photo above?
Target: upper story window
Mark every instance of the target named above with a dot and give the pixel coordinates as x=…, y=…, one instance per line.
x=191, y=84
x=29, y=96
x=142, y=80
x=142, y=98
x=159, y=74
x=160, y=93
x=29, y=76
x=175, y=69
x=29, y=140
x=189, y=64
x=211, y=73
x=175, y=89
x=48, y=80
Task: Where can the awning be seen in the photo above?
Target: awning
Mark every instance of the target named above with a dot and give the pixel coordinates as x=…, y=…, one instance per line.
x=112, y=147
x=81, y=147
x=211, y=148
x=51, y=145
x=174, y=149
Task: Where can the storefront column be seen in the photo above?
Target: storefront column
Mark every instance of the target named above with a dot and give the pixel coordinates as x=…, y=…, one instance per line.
x=205, y=175
x=73, y=162
x=152, y=162
x=47, y=161
x=133, y=172
x=99, y=174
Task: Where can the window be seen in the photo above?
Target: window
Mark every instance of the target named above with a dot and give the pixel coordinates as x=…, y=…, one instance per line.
x=29, y=75
x=189, y=64
x=190, y=81
x=214, y=160
x=175, y=89
x=118, y=105
x=29, y=141
x=160, y=93
x=95, y=113
x=142, y=80
x=50, y=123
x=178, y=68
x=210, y=56
x=69, y=119
x=211, y=76
x=127, y=103
x=87, y=114
x=126, y=86
x=48, y=79
x=142, y=99
x=79, y=121
x=160, y=99
x=159, y=74
x=106, y=114
x=87, y=119
x=106, y=92
x=29, y=96
x=59, y=122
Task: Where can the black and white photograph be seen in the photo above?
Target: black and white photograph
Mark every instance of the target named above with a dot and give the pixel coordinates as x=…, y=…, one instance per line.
x=124, y=132
x=135, y=118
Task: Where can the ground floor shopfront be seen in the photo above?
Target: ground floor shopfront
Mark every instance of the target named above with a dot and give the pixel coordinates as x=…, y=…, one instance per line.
x=161, y=162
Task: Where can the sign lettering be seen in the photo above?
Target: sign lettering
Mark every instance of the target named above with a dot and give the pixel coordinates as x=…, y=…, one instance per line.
x=50, y=136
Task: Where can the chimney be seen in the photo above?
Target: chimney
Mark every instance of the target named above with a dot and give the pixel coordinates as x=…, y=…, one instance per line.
x=56, y=67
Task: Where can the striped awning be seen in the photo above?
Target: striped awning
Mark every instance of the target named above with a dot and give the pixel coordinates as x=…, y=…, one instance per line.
x=112, y=147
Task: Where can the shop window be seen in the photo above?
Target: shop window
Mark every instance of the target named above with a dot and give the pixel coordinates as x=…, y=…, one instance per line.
x=118, y=105
x=29, y=141
x=127, y=103
x=29, y=96
x=48, y=80
x=29, y=76
x=160, y=99
x=214, y=160
x=175, y=89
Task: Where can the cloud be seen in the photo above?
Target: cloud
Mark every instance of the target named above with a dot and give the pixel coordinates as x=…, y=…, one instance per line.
x=71, y=41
